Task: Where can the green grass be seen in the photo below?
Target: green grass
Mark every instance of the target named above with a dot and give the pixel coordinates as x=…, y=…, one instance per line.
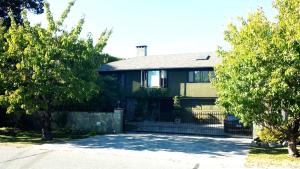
x=34, y=137
x=265, y=157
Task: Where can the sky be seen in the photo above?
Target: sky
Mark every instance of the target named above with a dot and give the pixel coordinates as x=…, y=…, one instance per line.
x=165, y=26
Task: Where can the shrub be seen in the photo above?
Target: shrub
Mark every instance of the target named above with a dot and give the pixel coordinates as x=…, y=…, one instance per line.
x=8, y=131
x=270, y=136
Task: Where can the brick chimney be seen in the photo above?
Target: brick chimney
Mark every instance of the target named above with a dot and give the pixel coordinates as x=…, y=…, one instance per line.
x=141, y=50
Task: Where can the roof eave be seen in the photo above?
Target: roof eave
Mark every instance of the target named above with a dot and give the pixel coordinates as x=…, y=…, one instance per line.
x=166, y=68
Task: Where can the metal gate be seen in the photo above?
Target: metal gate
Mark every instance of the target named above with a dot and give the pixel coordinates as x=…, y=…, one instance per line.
x=199, y=122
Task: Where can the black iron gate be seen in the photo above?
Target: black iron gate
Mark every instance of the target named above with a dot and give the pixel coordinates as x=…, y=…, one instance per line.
x=200, y=122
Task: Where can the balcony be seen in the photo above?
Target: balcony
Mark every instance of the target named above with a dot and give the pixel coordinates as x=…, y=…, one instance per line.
x=197, y=90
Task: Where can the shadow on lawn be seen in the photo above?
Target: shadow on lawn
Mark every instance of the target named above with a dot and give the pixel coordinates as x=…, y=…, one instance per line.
x=170, y=143
x=34, y=137
x=267, y=150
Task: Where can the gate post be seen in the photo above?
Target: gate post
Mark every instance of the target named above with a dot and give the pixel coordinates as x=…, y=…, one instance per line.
x=118, y=116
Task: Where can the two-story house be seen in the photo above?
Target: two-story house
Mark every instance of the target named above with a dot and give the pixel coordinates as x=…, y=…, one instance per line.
x=150, y=83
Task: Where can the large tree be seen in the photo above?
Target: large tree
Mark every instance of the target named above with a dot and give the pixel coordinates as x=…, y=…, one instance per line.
x=42, y=68
x=259, y=77
x=16, y=7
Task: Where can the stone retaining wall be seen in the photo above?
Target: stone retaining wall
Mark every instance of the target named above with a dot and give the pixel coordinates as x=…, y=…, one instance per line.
x=100, y=122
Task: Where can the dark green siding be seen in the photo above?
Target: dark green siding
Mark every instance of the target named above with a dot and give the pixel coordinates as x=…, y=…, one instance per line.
x=177, y=85
x=175, y=78
x=132, y=81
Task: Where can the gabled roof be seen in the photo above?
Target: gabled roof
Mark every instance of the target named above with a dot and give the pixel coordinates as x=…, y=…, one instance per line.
x=174, y=61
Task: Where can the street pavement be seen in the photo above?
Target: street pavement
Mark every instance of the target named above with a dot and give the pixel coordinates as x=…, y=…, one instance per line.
x=130, y=151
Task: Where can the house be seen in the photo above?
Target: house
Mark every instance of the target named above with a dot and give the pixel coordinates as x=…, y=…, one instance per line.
x=184, y=75
x=163, y=77
x=171, y=93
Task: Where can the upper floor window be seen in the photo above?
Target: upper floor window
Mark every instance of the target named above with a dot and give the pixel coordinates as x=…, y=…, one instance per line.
x=200, y=76
x=163, y=78
x=154, y=78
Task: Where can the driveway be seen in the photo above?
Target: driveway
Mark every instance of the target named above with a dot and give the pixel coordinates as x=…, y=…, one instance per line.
x=130, y=151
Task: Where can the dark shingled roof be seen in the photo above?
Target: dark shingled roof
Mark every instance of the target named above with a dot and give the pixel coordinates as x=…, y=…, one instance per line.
x=174, y=61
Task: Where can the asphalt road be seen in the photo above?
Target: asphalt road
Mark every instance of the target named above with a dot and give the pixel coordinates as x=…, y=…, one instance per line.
x=129, y=151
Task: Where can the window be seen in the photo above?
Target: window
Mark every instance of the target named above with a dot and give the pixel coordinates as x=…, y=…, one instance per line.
x=154, y=78
x=163, y=78
x=191, y=76
x=200, y=76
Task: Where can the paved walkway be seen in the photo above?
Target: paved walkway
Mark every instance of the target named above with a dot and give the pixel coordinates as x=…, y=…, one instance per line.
x=130, y=151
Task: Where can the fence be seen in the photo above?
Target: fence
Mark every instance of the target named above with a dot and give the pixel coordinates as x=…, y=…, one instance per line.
x=202, y=121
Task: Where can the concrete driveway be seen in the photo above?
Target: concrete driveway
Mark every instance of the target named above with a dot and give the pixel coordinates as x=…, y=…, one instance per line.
x=130, y=151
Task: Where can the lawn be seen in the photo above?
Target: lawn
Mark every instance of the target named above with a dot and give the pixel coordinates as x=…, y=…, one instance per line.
x=34, y=137
x=265, y=157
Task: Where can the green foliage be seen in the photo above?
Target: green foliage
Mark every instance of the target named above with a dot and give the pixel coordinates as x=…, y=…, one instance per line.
x=258, y=79
x=43, y=68
x=8, y=131
x=176, y=102
x=16, y=7
x=108, y=58
x=34, y=137
x=109, y=95
x=105, y=100
x=270, y=136
x=177, y=106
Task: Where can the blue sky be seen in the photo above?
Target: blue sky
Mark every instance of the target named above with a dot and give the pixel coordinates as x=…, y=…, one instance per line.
x=166, y=26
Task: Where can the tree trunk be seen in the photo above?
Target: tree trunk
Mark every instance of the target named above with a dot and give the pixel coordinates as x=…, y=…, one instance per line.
x=46, y=125
x=292, y=147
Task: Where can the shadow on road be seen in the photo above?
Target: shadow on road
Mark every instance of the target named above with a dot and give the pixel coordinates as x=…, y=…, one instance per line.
x=170, y=143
